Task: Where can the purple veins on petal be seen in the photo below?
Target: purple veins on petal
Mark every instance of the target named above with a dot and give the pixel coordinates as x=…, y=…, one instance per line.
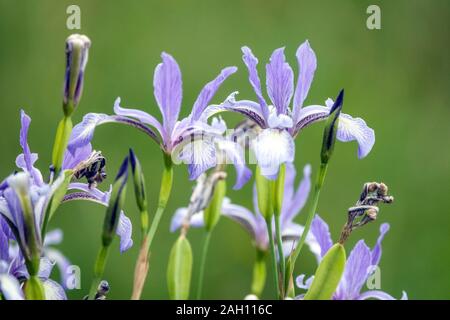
x=208, y=93
x=307, y=64
x=280, y=81
x=273, y=147
x=376, y=252
x=27, y=159
x=356, y=271
x=71, y=160
x=251, y=62
x=140, y=115
x=168, y=90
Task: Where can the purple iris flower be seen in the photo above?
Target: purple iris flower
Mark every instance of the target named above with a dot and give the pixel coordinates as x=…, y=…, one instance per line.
x=172, y=134
x=13, y=226
x=208, y=152
x=359, y=266
x=13, y=270
x=254, y=223
x=280, y=123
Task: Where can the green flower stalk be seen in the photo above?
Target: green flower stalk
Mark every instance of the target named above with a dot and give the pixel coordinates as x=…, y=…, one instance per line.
x=266, y=190
x=329, y=139
x=77, y=52
x=110, y=223
x=278, y=194
x=211, y=216
x=142, y=264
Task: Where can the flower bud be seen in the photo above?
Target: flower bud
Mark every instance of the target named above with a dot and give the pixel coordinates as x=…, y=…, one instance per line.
x=139, y=182
x=264, y=188
x=213, y=210
x=77, y=51
x=331, y=126
x=116, y=200
x=279, y=191
x=179, y=269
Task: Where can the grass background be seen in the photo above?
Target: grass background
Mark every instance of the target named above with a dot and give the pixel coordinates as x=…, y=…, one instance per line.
x=396, y=78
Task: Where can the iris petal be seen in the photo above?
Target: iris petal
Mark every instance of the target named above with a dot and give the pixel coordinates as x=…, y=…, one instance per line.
x=273, y=147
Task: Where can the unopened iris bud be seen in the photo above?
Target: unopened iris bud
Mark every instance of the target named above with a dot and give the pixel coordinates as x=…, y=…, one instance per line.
x=77, y=52
x=139, y=182
x=331, y=127
x=264, y=188
x=139, y=189
x=115, y=204
x=213, y=210
x=279, y=190
x=102, y=290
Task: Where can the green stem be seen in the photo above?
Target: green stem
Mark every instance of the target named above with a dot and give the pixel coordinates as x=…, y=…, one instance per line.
x=319, y=183
x=203, y=263
x=164, y=194
x=144, y=223
x=61, y=141
x=141, y=269
x=274, y=257
x=280, y=255
x=99, y=268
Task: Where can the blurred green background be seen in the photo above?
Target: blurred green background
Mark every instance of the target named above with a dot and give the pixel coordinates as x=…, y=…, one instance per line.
x=396, y=78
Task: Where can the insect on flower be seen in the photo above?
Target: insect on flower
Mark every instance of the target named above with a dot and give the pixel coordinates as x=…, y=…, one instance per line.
x=93, y=169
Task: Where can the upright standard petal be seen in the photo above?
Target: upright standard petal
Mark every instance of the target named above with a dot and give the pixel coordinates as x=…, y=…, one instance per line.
x=280, y=81
x=251, y=62
x=356, y=271
x=208, y=92
x=307, y=64
x=376, y=252
x=273, y=147
x=27, y=159
x=321, y=232
x=168, y=90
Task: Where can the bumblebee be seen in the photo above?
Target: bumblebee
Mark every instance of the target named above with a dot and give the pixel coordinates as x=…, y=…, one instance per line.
x=93, y=169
